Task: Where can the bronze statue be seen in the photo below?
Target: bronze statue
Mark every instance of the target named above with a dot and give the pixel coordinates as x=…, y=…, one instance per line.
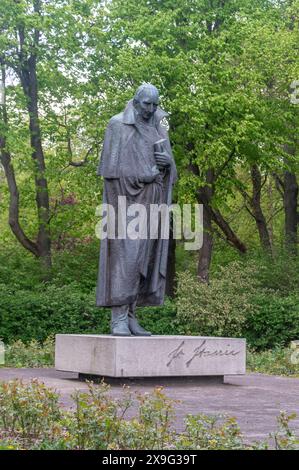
x=137, y=164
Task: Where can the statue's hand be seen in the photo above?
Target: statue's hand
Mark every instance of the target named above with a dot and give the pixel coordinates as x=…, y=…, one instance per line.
x=147, y=179
x=163, y=159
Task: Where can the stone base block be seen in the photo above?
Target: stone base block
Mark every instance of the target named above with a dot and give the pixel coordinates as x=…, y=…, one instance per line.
x=154, y=356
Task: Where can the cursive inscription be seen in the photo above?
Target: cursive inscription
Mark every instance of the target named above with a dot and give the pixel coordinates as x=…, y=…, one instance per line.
x=199, y=352
x=176, y=353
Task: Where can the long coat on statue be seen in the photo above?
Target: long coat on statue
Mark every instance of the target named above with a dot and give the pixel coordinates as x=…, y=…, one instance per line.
x=133, y=269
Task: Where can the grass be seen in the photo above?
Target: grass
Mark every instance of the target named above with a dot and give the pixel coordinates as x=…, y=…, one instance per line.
x=280, y=361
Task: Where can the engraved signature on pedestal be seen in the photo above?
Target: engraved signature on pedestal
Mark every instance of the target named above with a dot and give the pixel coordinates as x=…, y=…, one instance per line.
x=176, y=353
x=199, y=352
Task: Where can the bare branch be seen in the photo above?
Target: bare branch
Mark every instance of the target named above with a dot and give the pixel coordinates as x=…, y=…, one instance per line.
x=82, y=162
x=279, y=184
x=264, y=182
x=222, y=168
x=274, y=214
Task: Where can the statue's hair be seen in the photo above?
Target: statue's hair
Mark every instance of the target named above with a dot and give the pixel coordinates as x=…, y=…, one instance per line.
x=143, y=87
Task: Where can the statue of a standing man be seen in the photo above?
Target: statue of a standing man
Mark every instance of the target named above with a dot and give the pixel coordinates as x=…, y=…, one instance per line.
x=137, y=163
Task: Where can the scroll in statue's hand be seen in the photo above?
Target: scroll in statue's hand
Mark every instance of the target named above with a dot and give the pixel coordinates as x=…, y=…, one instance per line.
x=163, y=159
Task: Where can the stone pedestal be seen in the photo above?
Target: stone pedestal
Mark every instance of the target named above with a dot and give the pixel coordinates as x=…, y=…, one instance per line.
x=154, y=356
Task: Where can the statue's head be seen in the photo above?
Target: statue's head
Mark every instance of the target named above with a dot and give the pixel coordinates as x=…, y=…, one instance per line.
x=146, y=100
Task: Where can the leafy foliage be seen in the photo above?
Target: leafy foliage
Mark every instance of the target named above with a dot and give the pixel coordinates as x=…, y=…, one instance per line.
x=30, y=419
x=248, y=298
x=217, y=309
x=224, y=70
x=29, y=410
x=277, y=361
x=33, y=354
x=36, y=314
x=274, y=321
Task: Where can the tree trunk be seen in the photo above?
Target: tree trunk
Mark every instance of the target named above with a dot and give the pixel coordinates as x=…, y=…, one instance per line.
x=14, y=203
x=271, y=214
x=5, y=159
x=42, y=194
x=205, y=254
x=291, y=211
x=257, y=209
x=290, y=203
x=210, y=214
x=231, y=236
x=254, y=208
x=29, y=83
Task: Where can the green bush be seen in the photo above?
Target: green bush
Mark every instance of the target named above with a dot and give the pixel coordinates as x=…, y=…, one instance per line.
x=210, y=433
x=280, y=274
x=98, y=421
x=159, y=320
x=274, y=321
x=30, y=418
x=36, y=314
x=255, y=297
x=219, y=308
x=48, y=310
x=22, y=271
x=238, y=301
x=28, y=410
x=33, y=354
x=277, y=362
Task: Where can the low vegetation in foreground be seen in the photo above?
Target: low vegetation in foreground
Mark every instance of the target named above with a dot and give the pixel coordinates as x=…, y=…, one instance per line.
x=31, y=418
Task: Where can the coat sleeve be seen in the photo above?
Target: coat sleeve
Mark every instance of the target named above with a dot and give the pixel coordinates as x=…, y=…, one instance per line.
x=109, y=161
x=109, y=164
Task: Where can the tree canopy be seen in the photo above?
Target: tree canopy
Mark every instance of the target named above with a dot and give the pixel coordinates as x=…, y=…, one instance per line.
x=224, y=69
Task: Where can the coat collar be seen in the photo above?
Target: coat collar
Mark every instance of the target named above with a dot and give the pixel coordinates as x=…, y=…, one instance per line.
x=128, y=116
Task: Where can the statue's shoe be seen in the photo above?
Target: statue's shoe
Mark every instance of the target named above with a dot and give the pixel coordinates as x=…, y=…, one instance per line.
x=135, y=328
x=121, y=329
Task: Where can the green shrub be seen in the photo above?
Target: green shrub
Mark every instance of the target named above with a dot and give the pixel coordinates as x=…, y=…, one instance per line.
x=8, y=444
x=30, y=419
x=29, y=410
x=95, y=422
x=48, y=310
x=98, y=420
x=204, y=432
x=277, y=361
x=159, y=320
x=219, y=308
x=33, y=354
x=280, y=274
x=239, y=302
x=274, y=320
x=22, y=271
x=37, y=314
x=79, y=266
x=284, y=438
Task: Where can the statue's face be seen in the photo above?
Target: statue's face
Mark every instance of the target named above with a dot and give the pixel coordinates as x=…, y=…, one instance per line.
x=147, y=104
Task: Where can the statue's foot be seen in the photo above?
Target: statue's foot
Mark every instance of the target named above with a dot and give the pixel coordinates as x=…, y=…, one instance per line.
x=135, y=328
x=121, y=329
x=120, y=321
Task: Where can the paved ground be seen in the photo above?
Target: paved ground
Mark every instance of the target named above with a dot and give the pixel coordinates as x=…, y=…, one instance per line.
x=255, y=399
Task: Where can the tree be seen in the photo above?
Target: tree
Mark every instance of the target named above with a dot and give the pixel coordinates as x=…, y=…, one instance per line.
x=212, y=62
x=42, y=51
